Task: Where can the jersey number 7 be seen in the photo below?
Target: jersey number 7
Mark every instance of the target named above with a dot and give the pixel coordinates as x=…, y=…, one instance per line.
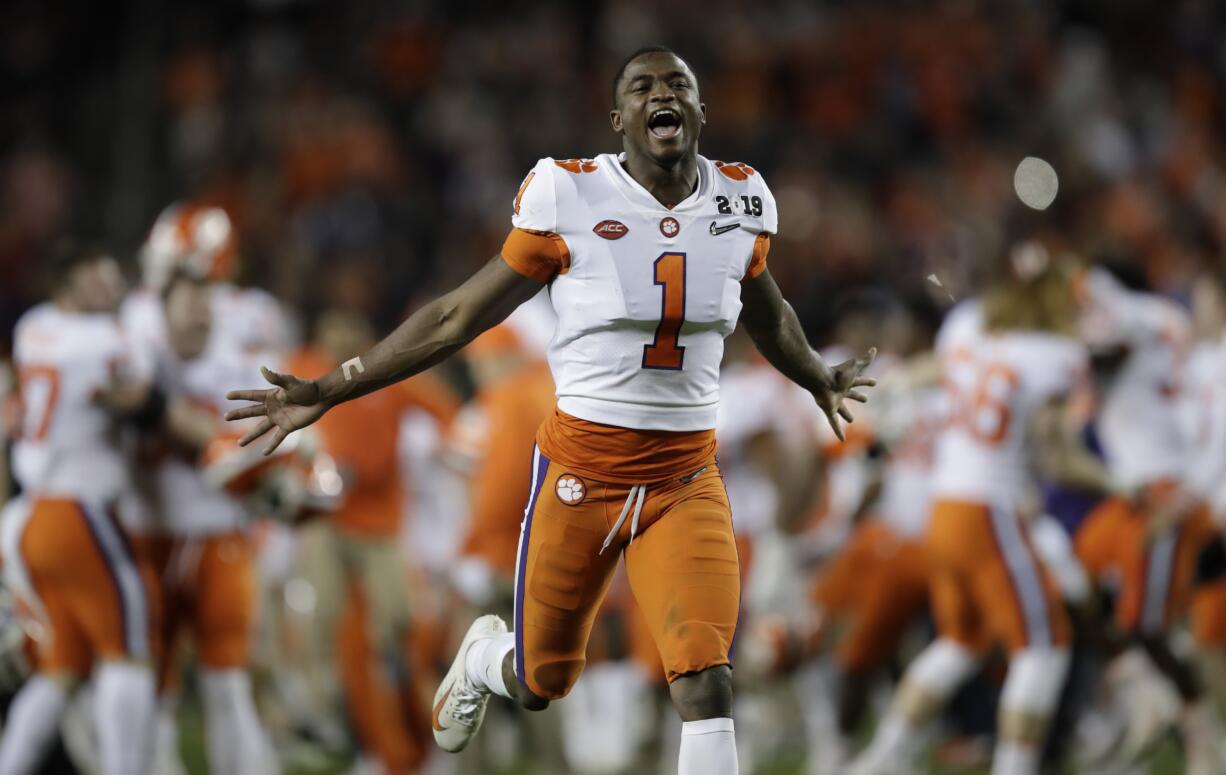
x=664, y=352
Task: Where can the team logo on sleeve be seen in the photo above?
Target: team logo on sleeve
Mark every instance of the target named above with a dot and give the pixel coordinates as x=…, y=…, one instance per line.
x=571, y=489
x=611, y=229
x=669, y=226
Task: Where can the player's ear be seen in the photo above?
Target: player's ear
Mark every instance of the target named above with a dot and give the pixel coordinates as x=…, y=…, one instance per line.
x=702, y=107
x=615, y=118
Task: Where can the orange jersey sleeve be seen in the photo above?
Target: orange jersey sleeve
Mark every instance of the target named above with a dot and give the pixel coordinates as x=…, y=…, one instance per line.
x=540, y=256
x=757, y=261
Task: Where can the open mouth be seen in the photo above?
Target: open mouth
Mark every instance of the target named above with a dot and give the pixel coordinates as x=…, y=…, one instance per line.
x=664, y=123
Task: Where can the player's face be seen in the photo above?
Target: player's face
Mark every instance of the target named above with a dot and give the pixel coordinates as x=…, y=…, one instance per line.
x=189, y=317
x=658, y=112
x=97, y=286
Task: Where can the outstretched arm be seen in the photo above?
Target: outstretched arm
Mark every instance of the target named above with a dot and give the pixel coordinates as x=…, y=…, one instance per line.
x=772, y=324
x=429, y=336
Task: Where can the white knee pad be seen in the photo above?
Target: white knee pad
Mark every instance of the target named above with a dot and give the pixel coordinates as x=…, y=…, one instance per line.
x=1035, y=680
x=942, y=668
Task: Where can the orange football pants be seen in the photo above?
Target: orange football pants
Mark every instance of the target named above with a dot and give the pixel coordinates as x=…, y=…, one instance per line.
x=1156, y=572
x=98, y=597
x=988, y=585
x=682, y=566
x=878, y=582
x=208, y=585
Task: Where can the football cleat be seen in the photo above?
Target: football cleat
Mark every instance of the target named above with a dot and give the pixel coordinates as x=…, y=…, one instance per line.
x=459, y=705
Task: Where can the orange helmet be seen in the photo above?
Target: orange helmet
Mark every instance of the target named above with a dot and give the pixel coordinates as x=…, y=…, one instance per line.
x=195, y=239
x=298, y=481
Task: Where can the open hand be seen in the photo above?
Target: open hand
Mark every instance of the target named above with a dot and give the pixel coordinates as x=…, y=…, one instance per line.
x=293, y=404
x=843, y=382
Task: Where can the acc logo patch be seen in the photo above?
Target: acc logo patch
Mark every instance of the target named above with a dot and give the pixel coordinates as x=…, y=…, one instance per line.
x=571, y=489
x=611, y=229
x=669, y=226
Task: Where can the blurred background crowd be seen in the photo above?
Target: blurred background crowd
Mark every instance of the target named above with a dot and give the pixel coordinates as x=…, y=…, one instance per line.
x=367, y=154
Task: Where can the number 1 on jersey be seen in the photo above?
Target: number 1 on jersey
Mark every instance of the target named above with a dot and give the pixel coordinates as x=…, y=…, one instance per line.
x=664, y=352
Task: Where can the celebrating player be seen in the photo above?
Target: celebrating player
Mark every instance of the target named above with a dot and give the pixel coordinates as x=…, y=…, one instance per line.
x=1011, y=368
x=650, y=255
x=66, y=555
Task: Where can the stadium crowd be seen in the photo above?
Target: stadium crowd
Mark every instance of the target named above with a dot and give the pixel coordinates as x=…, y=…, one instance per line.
x=325, y=168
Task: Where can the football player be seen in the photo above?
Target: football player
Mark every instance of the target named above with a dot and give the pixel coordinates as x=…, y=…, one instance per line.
x=1011, y=368
x=651, y=256
x=66, y=554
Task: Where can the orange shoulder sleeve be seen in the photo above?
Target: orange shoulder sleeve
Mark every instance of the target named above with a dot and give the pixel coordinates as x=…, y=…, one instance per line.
x=538, y=255
x=757, y=261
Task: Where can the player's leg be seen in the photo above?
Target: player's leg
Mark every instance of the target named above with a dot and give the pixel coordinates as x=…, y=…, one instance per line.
x=62, y=659
x=685, y=574
x=895, y=592
x=561, y=578
x=223, y=619
x=1025, y=611
x=111, y=596
x=957, y=535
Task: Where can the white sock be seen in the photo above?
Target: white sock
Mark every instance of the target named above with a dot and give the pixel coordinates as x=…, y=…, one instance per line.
x=33, y=720
x=483, y=662
x=893, y=747
x=1014, y=758
x=124, y=711
x=236, y=741
x=708, y=747
x=166, y=757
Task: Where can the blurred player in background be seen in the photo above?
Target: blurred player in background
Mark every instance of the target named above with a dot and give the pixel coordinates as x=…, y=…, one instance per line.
x=200, y=241
x=202, y=550
x=357, y=550
x=1011, y=368
x=635, y=358
x=1151, y=536
x=91, y=598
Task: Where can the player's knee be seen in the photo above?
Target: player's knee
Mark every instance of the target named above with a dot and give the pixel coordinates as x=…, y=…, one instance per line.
x=703, y=695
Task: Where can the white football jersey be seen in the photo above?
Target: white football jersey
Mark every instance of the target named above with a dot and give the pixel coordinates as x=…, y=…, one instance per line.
x=909, y=421
x=187, y=504
x=1139, y=421
x=757, y=401
x=69, y=447
x=650, y=293
x=993, y=384
x=249, y=318
x=1204, y=410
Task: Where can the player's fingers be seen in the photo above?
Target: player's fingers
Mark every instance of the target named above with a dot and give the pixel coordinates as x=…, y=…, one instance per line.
x=247, y=395
x=256, y=432
x=243, y=412
x=864, y=382
x=866, y=360
x=856, y=395
x=845, y=413
x=278, y=436
x=280, y=380
x=833, y=419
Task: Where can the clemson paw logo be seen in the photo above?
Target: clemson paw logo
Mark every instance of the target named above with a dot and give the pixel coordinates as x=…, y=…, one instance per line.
x=571, y=489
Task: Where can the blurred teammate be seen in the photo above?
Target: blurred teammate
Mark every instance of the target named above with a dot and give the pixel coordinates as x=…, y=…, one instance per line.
x=1151, y=535
x=357, y=550
x=206, y=562
x=200, y=241
x=1010, y=369
x=875, y=588
x=651, y=256
x=1204, y=397
x=65, y=553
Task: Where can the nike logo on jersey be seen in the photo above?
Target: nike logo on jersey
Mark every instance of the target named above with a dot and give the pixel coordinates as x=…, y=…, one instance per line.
x=718, y=230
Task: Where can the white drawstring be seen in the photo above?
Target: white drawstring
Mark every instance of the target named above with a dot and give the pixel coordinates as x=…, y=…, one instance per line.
x=636, y=495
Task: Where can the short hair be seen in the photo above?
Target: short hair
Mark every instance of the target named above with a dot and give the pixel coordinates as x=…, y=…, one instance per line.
x=653, y=49
x=65, y=256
